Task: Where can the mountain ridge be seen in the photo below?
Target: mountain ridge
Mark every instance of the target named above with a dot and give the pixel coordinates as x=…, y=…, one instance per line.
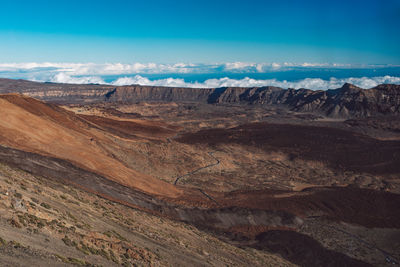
x=345, y=102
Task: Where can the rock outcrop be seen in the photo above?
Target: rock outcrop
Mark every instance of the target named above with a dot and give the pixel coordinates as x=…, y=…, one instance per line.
x=348, y=101
x=136, y=93
x=56, y=92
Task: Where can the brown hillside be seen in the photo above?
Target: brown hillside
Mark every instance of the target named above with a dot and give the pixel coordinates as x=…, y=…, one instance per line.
x=31, y=125
x=130, y=128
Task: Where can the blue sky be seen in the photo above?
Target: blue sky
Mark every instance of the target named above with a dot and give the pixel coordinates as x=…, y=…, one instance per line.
x=366, y=32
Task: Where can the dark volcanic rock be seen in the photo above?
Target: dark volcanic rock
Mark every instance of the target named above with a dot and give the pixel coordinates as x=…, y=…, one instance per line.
x=348, y=101
x=339, y=149
x=354, y=101
x=137, y=93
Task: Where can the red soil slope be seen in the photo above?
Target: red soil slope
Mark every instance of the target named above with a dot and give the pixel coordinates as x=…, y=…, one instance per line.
x=34, y=126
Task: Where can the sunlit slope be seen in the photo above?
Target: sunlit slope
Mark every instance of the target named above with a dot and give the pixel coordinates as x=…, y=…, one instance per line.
x=30, y=125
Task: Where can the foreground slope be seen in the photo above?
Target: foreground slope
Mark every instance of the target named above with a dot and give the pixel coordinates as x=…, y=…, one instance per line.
x=34, y=126
x=47, y=223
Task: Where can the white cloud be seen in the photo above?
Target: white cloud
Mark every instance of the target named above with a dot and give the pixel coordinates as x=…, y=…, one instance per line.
x=134, y=74
x=145, y=81
x=309, y=83
x=243, y=67
x=75, y=69
x=65, y=78
x=275, y=66
x=107, y=68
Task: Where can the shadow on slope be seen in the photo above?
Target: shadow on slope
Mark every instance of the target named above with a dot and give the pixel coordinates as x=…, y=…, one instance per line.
x=340, y=149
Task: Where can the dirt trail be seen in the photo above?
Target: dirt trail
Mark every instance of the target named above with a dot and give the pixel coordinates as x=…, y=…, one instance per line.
x=199, y=169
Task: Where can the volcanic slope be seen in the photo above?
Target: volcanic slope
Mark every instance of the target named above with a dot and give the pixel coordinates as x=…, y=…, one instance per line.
x=34, y=126
x=47, y=223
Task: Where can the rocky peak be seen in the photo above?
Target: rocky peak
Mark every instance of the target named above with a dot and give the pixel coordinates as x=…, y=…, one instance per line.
x=349, y=88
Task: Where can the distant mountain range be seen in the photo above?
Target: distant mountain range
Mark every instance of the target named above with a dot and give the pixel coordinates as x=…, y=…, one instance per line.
x=345, y=102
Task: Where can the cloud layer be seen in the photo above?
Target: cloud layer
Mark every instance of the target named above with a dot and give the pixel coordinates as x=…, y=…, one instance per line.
x=127, y=74
x=315, y=84
x=76, y=69
x=309, y=83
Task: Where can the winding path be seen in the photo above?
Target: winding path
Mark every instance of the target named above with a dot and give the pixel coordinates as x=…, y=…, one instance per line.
x=217, y=161
x=199, y=169
x=208, y=196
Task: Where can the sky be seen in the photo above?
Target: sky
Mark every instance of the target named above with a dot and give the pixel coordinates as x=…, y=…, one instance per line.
x=127, y=31
x=202, y=43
